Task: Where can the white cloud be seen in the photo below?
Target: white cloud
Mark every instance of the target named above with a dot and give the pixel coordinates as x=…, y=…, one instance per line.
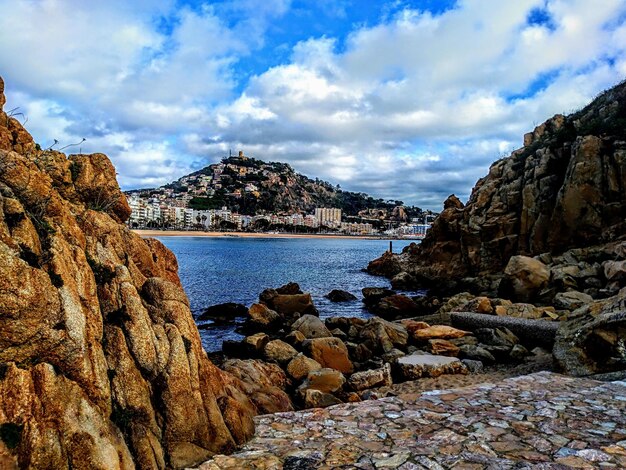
x=414, y=108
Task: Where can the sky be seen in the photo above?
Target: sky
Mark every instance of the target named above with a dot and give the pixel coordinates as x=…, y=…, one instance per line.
x=409, y=100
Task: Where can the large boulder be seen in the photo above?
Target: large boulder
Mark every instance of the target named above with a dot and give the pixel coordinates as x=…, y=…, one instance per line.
x=280, y=352
x=396, y=306
x=262, y=317
x=382, y=336
x=293, y=305
x=311, y=327
x=263, y=382
x=330, y=353
x=524, y=278
x=591, y=341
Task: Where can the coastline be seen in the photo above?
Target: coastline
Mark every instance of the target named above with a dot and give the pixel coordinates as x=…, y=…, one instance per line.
x=189, y=233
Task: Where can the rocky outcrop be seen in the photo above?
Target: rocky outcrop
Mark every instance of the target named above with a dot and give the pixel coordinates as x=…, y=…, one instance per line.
x=101, y=364
x=566, y=188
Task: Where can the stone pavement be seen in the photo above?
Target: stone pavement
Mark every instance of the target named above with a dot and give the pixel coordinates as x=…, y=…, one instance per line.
x=537, y=421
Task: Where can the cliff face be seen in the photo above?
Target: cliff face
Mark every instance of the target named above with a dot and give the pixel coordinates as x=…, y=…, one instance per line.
x=566, y=188
x=101, y=364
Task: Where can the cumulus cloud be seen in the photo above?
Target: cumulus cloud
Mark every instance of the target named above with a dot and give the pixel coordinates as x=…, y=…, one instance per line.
x=414, y=106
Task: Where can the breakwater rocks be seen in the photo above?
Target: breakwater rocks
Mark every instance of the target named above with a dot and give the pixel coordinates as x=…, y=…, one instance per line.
x=101, y=364
x=319, y=363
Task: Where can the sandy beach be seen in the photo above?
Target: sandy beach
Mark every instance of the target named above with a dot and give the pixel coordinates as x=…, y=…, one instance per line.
x=184, y=233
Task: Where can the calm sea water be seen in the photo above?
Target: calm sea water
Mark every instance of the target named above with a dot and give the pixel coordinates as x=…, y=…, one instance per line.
x=218, y=270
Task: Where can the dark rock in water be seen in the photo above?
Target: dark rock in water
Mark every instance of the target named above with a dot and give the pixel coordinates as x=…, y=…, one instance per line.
x=291, y=288
x=592, y=341
x=337, y=295
x=373, y=295
x=223, y=313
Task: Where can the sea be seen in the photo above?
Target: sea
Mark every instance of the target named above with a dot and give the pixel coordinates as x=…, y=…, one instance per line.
x=233, y=269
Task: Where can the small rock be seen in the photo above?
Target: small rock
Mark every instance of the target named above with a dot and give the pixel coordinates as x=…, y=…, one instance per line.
x=337, y=333
x=442, y=347
x=474, y=352
x=382, y=336
x=396, y=306
x=295, y=338
x=257, y=342
x=438, y=332
x=404, y=281
x=474, y=366
x=519, y=352
x=614, y=270
x=497, y=337
x=392, y=355
x=371, y=378
x=316, y=399
x=571, y=300
x=417, y=366
x=524, y=277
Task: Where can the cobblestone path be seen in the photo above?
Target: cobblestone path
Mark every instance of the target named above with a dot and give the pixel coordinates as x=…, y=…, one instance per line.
x=538, y=421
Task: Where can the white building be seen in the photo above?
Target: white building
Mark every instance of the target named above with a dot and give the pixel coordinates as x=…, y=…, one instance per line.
x=330, y=217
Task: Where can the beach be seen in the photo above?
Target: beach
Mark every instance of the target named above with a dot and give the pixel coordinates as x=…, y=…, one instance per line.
x=191, y=233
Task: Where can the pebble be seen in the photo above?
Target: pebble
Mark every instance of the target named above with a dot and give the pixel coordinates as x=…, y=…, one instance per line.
x=541, y=420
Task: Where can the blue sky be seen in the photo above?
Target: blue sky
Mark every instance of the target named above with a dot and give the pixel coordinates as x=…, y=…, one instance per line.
x=408, y=100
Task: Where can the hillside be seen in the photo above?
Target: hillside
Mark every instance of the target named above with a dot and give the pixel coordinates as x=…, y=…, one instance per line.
x=251, y=186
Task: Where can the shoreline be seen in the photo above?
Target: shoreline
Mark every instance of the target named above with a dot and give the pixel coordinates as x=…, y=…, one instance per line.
x=189, y=233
